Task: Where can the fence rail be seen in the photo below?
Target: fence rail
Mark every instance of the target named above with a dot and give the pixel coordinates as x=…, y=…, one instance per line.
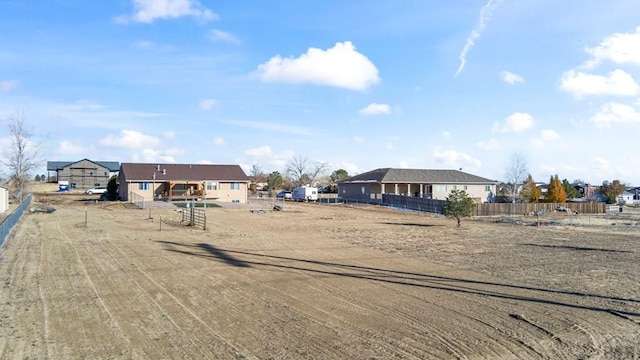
x=491, y=209
x=12, y=219
x=413, y=203
x=195, y=217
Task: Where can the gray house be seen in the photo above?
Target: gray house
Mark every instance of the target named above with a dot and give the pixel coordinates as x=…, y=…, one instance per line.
x=425, y=183
x=83, y=174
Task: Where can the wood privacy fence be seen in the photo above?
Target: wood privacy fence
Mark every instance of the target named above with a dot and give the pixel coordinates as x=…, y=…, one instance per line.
x=413, y=203
x=525, y=209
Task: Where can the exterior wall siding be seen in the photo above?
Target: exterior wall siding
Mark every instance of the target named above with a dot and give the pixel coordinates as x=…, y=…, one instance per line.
x=84, y=175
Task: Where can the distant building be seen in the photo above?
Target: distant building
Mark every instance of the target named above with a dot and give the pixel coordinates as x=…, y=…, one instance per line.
x=432, y=184
x=83, y=174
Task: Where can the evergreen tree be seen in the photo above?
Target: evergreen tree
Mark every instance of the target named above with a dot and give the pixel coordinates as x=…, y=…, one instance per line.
x=530, y=191
x=458, y=205
x=274, y=181
x=556, y=193
x=571, y=192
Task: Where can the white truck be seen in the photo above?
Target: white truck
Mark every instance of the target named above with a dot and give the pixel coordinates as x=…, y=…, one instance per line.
x=305, y=193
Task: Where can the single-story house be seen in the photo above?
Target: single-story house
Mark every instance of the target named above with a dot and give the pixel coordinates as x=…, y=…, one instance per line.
x=432, y=184
x=83, y=174
x=145, y=182
x=626, y=198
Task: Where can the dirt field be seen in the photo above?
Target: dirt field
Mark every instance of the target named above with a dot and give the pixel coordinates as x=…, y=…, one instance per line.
x=314, y=282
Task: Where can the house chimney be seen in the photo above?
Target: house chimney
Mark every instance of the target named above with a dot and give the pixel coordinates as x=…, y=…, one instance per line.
x=164, y=171
x=158, y=167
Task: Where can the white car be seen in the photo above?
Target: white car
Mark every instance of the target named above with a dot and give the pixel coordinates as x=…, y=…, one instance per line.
x=96, y=190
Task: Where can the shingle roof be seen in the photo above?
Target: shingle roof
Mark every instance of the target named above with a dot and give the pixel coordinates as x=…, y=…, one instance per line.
x=59, y=165
x=429, y=176
x=181, y=172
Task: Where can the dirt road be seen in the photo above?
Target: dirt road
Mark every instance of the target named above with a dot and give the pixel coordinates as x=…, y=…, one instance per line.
x=313, y=282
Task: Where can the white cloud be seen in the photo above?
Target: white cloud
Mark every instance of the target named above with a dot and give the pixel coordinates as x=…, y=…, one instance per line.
x=169, y=134
x=447, y=135
x=491, y=144
x=218, y=141
x=485, y=15
x=617, y=82
x=222, y=36
x=403, y=164
x=514, y=123
x=262, y=151
x=615, y=113
x=8, y=85
x=545, y=136
x=456, y=159
x=548, y=135
x=153, y=156
x=68, y=148
x=147, y=11
x=511, y=78
x=340, y=66
x=619, y=48
x=208, y=104
x=358, y=139
x=130, y=139
x=376, y=109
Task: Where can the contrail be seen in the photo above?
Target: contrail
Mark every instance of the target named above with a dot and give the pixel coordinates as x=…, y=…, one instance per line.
x=485, y=15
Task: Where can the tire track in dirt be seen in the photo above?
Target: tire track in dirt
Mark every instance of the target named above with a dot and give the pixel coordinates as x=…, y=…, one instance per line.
x=417, y=319
x=389, y=311
x=135, y=266
x=112, y=321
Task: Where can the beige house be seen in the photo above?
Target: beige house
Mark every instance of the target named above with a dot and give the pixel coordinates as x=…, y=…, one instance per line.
x=146, y=182
x=431, y=184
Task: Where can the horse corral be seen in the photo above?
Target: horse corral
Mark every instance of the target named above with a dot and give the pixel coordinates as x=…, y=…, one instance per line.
x=316, y=281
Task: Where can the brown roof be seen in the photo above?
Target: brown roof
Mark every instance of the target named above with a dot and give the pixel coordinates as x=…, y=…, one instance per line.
x=181, y=172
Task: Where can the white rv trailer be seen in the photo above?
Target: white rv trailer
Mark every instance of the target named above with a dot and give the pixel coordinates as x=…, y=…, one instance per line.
x=305, y=193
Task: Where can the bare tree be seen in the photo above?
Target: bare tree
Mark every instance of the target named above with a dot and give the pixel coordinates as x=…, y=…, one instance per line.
x=301, y=172
x=515, y=175
x=23, y=155
x=257, y=175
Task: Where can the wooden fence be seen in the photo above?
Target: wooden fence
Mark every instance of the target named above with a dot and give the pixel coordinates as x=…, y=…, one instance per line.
x=528, y=208
x=413, y=203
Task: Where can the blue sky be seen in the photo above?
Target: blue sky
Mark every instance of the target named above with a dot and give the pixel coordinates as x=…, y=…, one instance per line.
x=358, y=84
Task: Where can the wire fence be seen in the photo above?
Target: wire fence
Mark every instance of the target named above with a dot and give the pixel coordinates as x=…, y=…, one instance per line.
x=12, y=219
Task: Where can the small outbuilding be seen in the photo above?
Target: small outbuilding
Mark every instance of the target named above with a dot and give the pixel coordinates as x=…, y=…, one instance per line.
x=4, y=199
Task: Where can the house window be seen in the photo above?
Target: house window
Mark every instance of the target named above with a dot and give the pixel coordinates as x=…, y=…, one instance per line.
x=455, y=187
x=96, y=184
x=143, y=186
x=362, y=190
x=212, y=185
x=105, y=173
x=487, y=188
x=235, y=186
x=441, y=188
x=90, y=173
x=465, y=187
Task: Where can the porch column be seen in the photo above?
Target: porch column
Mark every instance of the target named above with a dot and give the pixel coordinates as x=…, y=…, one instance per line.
x=408, y=189
x=421, y=191
x=382, y=188
x=395, y=190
